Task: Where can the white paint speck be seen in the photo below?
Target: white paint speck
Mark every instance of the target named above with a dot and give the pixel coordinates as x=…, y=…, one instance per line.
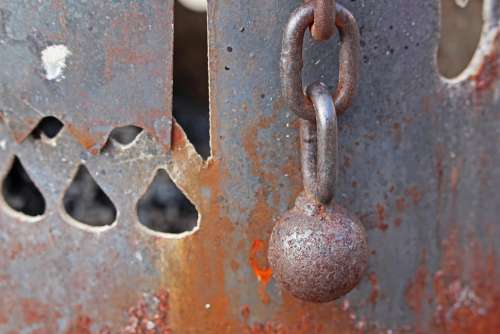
x=138, y=256
x=207, y=306
x=3, y=144
x=150, y=325
x=54, y=61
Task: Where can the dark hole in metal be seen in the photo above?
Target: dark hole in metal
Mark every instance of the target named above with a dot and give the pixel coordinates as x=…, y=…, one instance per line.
x=125, y=134
x=190, y=99
x=461, y=25
x=48, y=126
x=20, y=193
x=86, y=202
x=164, y=208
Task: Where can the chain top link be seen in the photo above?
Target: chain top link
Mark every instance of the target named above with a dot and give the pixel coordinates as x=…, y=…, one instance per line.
x=292, y=60
x=324, y=19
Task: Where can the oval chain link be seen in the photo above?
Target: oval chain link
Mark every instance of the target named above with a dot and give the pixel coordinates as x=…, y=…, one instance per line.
x=292, y=60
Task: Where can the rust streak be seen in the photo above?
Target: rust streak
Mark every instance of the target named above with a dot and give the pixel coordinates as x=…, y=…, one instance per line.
x=416, y=290
x=374, y=294
x=487, y=74
x=468, y=300
x=80, y=326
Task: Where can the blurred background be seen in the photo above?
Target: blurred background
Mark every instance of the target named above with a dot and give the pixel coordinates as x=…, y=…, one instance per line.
x=164, y=208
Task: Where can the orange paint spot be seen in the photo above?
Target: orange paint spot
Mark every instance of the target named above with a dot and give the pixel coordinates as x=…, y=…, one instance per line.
x=263, y=274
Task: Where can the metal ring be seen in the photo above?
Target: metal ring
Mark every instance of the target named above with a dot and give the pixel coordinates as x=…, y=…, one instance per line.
x=318, y=145
x=292, y=62
x=324, y=19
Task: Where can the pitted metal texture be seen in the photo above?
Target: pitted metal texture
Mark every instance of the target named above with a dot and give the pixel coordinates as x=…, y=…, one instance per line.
x=418, y=167
x=95, y=65
x=318, y=252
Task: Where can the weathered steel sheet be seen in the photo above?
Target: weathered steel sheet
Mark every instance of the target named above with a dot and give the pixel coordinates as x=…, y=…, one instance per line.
x=418, y=155
x=95, y=65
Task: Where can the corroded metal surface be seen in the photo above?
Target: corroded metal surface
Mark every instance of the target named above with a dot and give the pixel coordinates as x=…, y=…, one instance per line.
x=318, y=252
x=419, y=157
x=113, y=67
x=324, y=19
x=319, y=146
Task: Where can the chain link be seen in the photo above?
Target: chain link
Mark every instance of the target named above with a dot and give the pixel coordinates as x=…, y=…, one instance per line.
x=292, y=60
x=323, y=27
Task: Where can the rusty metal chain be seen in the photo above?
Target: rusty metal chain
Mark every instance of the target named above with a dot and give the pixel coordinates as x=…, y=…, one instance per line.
x=292, y=61
x=307, y=251
x=324, y=19
x=318, y=111
x=318, y=144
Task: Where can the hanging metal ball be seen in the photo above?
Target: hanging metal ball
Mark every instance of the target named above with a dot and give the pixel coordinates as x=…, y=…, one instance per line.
x=318, y=253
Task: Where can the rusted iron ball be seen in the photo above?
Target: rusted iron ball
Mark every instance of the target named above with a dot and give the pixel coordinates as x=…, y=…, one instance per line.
x=319, y=253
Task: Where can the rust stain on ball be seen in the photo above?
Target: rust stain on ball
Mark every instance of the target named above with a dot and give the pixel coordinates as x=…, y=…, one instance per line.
x=318, y=253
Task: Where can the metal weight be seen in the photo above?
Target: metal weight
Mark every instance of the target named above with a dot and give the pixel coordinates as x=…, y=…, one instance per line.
x=318, y=251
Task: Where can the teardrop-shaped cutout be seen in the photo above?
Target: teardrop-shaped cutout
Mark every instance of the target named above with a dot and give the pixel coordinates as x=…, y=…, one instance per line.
x=86, y=202
x=164, y=208
x=48, y=126
x=20, y=193
x=125, y=134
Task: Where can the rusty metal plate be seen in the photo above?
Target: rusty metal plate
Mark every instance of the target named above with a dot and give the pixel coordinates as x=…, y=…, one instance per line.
x=93, y=64
x=418, y=153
